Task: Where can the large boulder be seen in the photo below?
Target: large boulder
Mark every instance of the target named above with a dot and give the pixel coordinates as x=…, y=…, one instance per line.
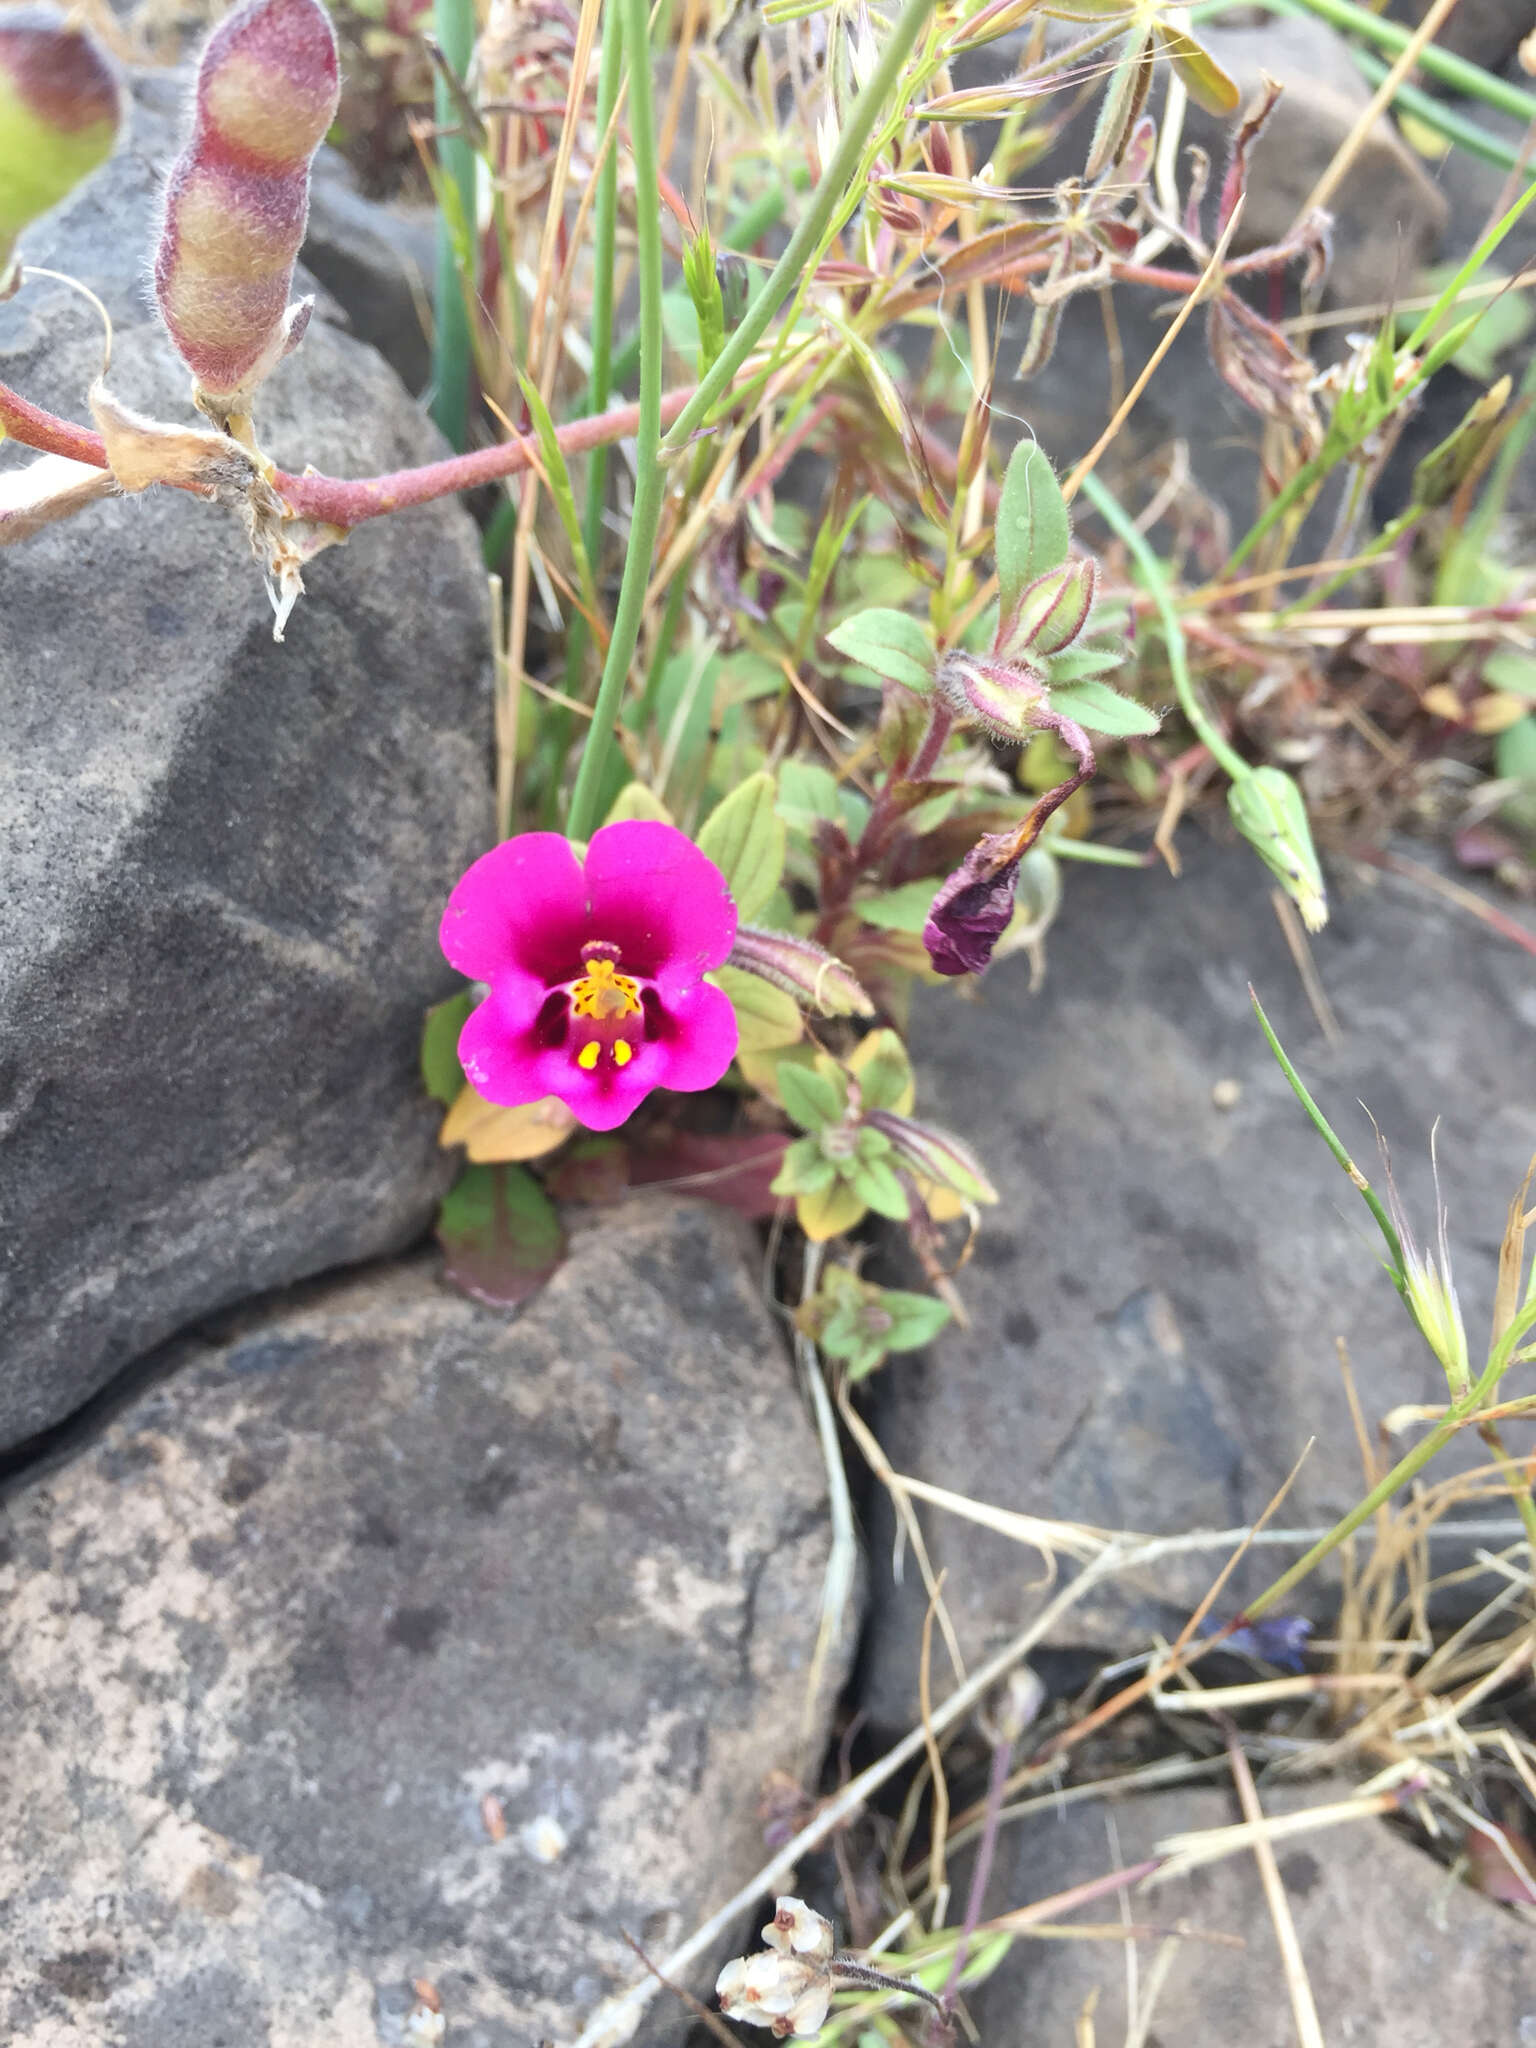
x=394, y=1638
x=224, y=859
x=1393, y=1951
x=1156, y=1301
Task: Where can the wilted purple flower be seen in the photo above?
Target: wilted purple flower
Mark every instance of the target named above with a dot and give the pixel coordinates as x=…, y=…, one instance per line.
x=1278, y=1639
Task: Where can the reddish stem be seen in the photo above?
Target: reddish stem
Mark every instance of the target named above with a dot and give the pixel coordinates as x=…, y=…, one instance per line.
x=337, y=501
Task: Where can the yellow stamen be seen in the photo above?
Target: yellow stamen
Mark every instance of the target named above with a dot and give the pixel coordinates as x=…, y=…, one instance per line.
x=588, y=1056
x=603, y=992
x=623, y=1052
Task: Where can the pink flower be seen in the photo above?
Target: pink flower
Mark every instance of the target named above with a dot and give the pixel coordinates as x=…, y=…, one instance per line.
x=595, y=971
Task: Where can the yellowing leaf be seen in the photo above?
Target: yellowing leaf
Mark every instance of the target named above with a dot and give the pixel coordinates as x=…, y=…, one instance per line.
x=495, y=1135
x=829, y=1214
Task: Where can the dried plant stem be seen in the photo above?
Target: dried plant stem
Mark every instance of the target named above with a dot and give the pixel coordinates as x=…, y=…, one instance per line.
x=1303, y=2006
x=1210, y=278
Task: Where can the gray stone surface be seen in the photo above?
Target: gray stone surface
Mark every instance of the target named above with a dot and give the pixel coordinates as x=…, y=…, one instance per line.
x=377, y=262
x=1155, y=1301
x=1388, y=216
x=1487, y=32
x=224, y=859
x=1393, y=1952
x=361, y=1562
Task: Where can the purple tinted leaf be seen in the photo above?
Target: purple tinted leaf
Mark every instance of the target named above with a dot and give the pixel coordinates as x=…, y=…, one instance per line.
x=737, y=1172
x=500, y=1235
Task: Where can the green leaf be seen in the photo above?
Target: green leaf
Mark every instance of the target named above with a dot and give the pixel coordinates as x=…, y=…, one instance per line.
x=744, y=836
x=1511, y=669
x=1034, y=528
x=440, y=1067
x=765, y=1016
x=1514, y=757
x=813, y=1100
x=1124, y=97
x=877, y=1187
x=500, y=1234
x=808, y=793
x=806, y=1170
x=745, y=676
x=889, y=642
x=899, y=910
x=931, y=813
x=1091, y=659
x=635, y=802
x=883, y=1071
x=916, y=1319
x=1101, y=709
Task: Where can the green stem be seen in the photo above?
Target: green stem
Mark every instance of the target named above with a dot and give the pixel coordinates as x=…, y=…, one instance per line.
x=604, y=221
x=1444, y=120
x=454, y=25
x=834, y=183
x=1116, y=518
x=836, y=180
x=1404, y=1470
x=605, y=208
x=650, y=477
x=1335, y=1145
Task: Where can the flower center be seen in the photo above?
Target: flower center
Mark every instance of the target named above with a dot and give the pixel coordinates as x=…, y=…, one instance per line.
x=601, y=1003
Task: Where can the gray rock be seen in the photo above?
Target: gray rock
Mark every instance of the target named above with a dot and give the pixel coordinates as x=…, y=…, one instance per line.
x=365, y=1562
x=377, y=261
x=224, y=859
x=1393, y=1951
x=1486, y=32
x=1388, y=215
x=1156, y=1300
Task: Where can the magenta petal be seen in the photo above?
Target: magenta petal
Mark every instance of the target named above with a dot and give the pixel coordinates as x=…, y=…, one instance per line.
x=522, y=905
x=699, y=1039
x=498, y=1049
x=610, y=1096
x=655, y=896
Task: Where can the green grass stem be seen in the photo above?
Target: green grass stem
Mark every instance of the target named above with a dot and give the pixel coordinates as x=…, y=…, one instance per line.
x=454, y=26
x=1153, y=575
x=650, y=476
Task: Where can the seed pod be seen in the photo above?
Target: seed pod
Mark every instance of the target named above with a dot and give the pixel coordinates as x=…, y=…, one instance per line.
x=59, y=115
x=237, y=200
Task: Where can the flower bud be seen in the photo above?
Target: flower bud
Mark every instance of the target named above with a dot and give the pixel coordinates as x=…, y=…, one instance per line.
x=1005, y=698
x=801, y=968
x=934, y=1155
x=1051, y=611
x=59, y=115
x=237, y=200
x=1267, y=809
